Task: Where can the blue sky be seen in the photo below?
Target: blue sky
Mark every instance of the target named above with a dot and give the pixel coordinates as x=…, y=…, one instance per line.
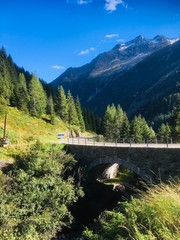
x=48, y=36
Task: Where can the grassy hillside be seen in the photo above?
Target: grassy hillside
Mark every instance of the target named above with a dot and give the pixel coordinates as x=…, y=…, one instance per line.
x=23, y=130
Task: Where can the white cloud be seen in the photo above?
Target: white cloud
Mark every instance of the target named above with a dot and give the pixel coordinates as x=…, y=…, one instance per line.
x=57, y=67
x=80, y=2
x=114, y=35
x=120, y=40
x=111, y=5
x=87, y=51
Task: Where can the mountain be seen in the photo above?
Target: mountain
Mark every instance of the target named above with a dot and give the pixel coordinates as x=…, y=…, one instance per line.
x=132, y=74
x=149, y=88
x=121, y=57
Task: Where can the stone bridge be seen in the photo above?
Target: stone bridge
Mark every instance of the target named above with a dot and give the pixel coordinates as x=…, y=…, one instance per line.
x=151, y=163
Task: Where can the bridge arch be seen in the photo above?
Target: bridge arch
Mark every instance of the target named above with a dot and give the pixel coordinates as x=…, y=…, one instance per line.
x=156, y=163
x=130, y=166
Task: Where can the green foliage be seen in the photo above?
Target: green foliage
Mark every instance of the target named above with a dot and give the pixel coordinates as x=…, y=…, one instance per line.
x=80, y=116
x=21, y=96
x=35, y=196
x=38, y=99
x=5, y=76
x=153, y=217
x=109, y=122
x=140, y=129
x=176, y=119
x=72, y=113
x=50, y=110
x=90, y=121
x=61, y=104
x=164, y=132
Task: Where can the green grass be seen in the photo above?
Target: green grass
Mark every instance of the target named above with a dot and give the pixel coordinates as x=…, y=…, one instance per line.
x=21, y=127
x=23, y=130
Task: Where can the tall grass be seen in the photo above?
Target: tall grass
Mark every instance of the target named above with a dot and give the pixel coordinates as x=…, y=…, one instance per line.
x=155, y=215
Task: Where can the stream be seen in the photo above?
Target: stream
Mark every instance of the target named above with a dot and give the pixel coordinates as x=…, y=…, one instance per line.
x=98, y=197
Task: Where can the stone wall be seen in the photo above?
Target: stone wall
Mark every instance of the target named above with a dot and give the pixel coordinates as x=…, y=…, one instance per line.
x=153, y=163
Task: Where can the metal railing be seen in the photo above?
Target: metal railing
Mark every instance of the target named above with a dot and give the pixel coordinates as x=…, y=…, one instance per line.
x=127, y=142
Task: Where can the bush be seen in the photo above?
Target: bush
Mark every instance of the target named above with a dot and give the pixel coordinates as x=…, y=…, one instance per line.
x=36, y=195
x=155, y=216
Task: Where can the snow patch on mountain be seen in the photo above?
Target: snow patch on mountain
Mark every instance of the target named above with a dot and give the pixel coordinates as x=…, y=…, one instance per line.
x=171, y=41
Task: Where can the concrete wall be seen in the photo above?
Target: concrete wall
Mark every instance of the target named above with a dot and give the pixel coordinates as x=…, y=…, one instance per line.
x=153, y=163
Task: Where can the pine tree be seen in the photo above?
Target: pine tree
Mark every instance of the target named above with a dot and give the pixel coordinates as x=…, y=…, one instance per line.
x=80, y=116
x=50, y=109
x=38, y=99
x=109, y=123
x=21, y=96
x=119, y=119
x=72, y=113
x=136, y=130
x=5, y=79
x=61, y=106
x=164, y=132
x=125, y=132
x=140, y=129
x=175, y=121
x=85, y=116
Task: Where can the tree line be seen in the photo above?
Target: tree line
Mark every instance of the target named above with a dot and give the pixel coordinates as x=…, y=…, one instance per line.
x=117, y=126
x=19, y=88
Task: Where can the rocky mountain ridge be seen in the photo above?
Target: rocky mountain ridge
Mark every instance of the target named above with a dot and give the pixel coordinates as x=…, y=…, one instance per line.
x=137, y=75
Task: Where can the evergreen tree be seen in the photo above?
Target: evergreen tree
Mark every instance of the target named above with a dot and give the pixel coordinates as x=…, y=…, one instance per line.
x=85, y=116
x=164, y=132
x=38, y=99
x=5, y=79
x=175, y=122
x=61, y=106
x=91, y=119
x=119, y=119
x=80, y=116
x=72, y=113
x=50, y=109
x=125, y=132
x=21, y=96
x=99, y=125
x=140, y=129
x=109, y=122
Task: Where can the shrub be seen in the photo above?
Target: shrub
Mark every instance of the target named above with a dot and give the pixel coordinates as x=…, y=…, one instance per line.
x=156, y=215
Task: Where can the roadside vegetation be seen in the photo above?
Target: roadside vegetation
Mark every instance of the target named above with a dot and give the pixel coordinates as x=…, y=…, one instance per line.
x=35, y=194
x=155, y=215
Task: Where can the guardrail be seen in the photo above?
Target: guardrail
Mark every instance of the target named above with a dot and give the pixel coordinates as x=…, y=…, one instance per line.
x=127, y=142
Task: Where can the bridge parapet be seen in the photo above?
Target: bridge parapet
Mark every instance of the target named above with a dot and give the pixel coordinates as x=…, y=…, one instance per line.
x=149, y=163
x=126, y=142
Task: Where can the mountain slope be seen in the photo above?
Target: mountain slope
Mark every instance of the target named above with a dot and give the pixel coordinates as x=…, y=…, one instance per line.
x=143, y=88
x=144, y=72
x=121, y=57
